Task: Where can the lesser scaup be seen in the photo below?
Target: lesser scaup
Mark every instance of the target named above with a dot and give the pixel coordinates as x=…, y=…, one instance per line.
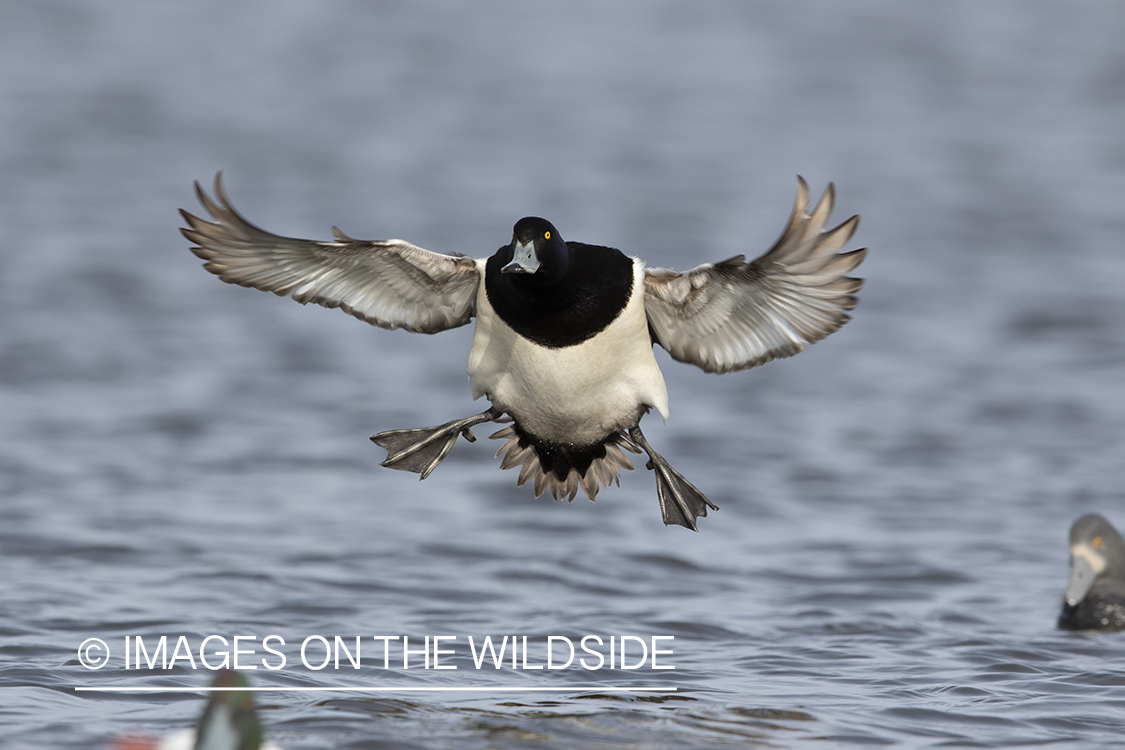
x=563, y=347
x=1095, y=593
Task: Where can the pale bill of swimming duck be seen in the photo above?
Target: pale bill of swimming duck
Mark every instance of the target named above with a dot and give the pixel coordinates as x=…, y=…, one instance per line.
x=563, y=346
x=1095, y=592
x=229, y=722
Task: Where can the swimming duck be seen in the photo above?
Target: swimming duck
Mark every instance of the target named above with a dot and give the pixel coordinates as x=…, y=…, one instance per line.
x=563, y=345
x=1095, y=593
x=228, y=723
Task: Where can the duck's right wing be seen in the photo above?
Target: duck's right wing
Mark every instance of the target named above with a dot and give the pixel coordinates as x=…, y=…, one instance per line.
x=388, y=283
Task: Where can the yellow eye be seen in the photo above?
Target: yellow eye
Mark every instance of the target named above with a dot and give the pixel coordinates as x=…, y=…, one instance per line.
x=1097, y=542
x=546, y=235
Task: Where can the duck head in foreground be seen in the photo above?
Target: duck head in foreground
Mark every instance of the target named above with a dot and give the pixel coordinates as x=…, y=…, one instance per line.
x=1095, y=592
x=563, y=345
x=229, y=722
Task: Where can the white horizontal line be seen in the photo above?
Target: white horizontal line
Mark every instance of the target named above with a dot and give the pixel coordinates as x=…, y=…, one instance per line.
x=502, y=689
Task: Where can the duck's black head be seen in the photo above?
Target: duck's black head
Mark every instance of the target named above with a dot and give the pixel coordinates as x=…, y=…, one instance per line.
x=1096, y=551
x=556, y=293
x=537, y=252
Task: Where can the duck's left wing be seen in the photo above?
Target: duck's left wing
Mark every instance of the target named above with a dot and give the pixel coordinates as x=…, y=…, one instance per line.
x=388, y=283
x=733, y=315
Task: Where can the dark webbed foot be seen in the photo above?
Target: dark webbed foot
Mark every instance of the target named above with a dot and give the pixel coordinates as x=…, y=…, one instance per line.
x=421, y=450
x=680, y=501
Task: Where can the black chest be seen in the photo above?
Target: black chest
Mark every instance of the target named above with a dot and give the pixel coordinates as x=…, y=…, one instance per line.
x=1102, y=609
x=593, y=292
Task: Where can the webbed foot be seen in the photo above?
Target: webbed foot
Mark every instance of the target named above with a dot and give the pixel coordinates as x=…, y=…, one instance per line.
x=680, y=501
x=421, y=450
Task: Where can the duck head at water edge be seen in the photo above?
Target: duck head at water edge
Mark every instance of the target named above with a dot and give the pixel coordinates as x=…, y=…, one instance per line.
x=1095, y=591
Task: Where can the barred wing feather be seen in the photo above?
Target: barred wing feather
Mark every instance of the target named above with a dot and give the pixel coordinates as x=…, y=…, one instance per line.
x=388, y=283
x=734, y=315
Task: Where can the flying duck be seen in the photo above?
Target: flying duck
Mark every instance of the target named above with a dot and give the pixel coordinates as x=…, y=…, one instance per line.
x=1095, y=593
x=563, y=346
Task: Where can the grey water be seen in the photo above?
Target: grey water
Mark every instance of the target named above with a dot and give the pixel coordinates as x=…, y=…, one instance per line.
x=184, y=458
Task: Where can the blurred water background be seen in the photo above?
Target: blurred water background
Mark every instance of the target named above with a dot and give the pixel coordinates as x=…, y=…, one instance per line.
x=183, y=457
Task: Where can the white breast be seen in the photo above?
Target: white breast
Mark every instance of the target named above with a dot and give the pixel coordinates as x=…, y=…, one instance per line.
x=575, y=395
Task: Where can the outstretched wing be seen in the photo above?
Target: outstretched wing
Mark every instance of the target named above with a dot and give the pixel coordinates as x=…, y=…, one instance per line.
x=389, y=283
x=733, y=315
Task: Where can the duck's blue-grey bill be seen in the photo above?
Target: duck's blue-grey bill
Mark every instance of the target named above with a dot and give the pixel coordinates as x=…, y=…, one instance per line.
x=524, y=261
x=1081, y=579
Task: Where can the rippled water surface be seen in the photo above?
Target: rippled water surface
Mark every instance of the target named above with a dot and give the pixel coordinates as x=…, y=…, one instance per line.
x=185, y=458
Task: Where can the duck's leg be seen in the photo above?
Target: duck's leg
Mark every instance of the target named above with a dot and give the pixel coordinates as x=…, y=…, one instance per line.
x=680, y=502
x=422, y=449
